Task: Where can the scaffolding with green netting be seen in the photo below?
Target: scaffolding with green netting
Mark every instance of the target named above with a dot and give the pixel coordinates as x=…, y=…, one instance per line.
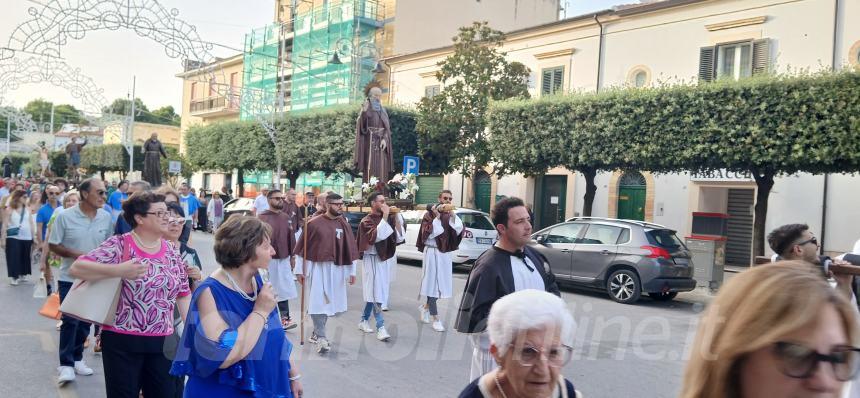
x=260, y=71
x=346, y=28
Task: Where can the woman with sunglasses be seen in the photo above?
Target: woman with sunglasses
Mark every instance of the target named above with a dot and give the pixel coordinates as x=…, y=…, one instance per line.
x=531, y=335
x=777, y=330
x=154, y=281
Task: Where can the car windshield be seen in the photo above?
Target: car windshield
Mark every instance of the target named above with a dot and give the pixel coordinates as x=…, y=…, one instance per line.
x=240, y=202
x=476, y=221
x=664, y=238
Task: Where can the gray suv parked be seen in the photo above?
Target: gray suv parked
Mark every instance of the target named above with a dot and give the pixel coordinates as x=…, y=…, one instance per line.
x=624, y=257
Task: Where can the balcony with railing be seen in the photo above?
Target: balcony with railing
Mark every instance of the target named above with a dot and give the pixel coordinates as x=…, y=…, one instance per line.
x=218, y=105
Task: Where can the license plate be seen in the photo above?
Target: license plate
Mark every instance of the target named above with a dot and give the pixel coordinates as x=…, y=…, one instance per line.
x=485, y=241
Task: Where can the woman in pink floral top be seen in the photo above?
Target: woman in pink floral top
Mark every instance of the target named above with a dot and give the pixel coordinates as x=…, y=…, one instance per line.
x=154, y=281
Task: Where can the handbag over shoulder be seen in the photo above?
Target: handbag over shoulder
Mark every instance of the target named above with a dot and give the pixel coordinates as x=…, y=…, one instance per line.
x=96, y=301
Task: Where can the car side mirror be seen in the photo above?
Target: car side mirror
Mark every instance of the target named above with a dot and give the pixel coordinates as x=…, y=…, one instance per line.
x=540, y=239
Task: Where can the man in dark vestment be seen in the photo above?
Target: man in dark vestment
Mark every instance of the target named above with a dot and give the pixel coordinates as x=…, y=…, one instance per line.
x=327, y=266
x=152, y=151
x=509, y=266
x=372, y=156
x=308, y=205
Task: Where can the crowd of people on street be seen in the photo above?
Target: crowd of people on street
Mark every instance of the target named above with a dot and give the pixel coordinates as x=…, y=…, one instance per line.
x=177, y=331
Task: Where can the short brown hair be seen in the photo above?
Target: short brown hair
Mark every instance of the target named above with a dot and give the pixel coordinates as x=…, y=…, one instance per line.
x=237, y=239
x=444, y=191
x=139, y=204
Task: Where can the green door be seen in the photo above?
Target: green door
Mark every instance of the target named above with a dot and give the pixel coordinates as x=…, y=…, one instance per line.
x=631, y=203
x=483, y=191
x=551, y=200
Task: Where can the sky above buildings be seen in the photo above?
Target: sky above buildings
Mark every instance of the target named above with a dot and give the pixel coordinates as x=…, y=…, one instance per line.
x=114, y=57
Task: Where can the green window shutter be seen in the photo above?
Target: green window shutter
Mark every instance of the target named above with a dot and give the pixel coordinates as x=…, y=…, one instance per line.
x=761, y=56
x=558, y=80
x=546, y=82
x=707, y=64
x=428, y=189
x=552, y=80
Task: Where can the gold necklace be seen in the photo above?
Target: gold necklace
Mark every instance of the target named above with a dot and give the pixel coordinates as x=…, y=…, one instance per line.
x=140, y=243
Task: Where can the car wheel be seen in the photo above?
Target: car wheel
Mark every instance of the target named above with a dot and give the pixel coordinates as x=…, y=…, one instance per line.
x=668, y=296
x=623, y=286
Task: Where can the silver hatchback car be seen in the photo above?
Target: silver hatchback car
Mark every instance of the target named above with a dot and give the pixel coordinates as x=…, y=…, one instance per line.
x=626, y=258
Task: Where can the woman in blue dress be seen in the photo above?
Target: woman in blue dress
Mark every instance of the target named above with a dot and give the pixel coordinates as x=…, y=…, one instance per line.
x=233, y=344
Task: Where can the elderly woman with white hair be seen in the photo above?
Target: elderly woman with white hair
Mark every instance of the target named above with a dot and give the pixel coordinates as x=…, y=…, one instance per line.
x=531, y=335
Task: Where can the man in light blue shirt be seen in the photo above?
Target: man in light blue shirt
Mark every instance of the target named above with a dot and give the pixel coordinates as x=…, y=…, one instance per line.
x=189, y=205
x=116, y=199
x=75, y=232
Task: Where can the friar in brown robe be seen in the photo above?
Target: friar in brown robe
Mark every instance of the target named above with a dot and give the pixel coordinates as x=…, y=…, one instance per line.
x=372, y=156
x=327, y=263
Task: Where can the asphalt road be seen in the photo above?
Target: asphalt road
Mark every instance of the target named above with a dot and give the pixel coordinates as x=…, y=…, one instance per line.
x=620, y=350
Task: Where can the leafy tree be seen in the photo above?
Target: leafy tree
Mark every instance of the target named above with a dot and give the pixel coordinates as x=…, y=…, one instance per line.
x=40, y=111
x=240, y=145
x=165, y=115
x=451, y=124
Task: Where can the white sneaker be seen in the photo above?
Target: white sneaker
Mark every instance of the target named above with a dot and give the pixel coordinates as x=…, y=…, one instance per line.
x=67, y=374
x=424, y=314
x=384, y=308
x=382, y=334
x=82, y=369
x=437, y=326
x=323, y=346
x=25, y=278
x=313, y=339
x=364, y=326
x=14, y=282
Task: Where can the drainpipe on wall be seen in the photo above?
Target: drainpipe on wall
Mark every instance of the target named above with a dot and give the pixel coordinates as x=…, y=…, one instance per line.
x=833, y=68
x=600, y=55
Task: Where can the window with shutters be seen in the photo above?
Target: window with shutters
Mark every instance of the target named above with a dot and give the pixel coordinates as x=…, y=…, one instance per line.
x=552, y=80
x=734, y=60
x=431, y=91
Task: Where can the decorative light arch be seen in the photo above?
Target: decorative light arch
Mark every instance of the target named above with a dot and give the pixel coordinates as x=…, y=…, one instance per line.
x=51, y=27
x=33, y=70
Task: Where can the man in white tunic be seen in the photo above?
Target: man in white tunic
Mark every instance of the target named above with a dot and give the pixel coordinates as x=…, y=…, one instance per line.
x=440, y=234
x=327, y=267
x=509, y=266
x=377, y=241
x=283, y=219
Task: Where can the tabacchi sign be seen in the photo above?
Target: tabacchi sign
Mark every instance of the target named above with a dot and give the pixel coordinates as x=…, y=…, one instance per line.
x=722, y=175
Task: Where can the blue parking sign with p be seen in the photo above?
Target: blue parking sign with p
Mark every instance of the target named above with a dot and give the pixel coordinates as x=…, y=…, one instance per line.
x=410, y=165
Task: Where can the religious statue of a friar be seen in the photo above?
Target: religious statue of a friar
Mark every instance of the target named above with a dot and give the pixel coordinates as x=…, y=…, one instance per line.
x=152, y=152
x=372, y=156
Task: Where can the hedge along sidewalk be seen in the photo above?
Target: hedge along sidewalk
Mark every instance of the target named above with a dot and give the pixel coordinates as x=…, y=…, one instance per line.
x=317, y=140
x=769, y=126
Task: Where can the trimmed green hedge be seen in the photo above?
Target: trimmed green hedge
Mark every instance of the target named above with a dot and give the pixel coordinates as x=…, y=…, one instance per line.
x=309, y=141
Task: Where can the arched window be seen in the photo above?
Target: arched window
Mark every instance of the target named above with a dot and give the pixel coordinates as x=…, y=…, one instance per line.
x=632, y=179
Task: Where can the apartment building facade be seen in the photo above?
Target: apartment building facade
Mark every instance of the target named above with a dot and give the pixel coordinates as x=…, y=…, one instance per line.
x=673, y=41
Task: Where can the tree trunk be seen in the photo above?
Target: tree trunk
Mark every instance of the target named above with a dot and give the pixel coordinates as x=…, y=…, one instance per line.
x=293, y=176
x=764, y=183
x=102, y=174
x=240, y=179
x=590, y=175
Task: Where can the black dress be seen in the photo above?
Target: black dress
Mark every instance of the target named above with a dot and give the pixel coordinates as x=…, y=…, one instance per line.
x=473, y=391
